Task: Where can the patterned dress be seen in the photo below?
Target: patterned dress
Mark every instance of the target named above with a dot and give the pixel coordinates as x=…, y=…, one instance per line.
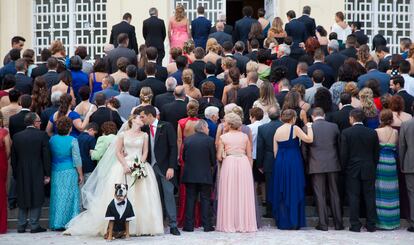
x=65, y=194
x=386, y=188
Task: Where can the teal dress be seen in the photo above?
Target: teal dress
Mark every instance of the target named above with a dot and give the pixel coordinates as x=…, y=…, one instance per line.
x=65, y=199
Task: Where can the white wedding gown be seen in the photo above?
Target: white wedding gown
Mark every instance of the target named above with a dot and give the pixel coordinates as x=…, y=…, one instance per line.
x=143, y=195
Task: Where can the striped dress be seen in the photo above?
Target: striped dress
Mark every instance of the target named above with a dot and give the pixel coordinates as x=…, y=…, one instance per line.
x=386, y=186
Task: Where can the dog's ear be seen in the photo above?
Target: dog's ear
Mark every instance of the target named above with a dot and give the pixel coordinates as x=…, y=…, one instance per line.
x=116, y=186
x=126, y=186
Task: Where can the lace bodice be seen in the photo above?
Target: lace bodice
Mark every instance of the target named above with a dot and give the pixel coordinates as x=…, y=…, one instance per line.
x=133, y=146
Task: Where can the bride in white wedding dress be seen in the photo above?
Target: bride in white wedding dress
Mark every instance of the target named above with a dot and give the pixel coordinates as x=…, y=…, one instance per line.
x=114, y=168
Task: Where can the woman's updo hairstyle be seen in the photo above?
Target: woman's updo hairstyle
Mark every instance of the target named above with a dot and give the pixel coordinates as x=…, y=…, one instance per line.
x=288, y=115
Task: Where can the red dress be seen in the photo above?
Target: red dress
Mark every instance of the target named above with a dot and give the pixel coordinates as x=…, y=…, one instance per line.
x=182, y=193
x=3, y=180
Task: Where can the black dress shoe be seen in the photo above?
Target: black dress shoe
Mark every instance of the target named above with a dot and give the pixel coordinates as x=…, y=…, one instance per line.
x=321, y=228
x=21, y=230
x=60, y=229
x=371, y=229
x=410, y=229
x=269, y=216
x=12, y=206
x=208, y=229
x=174, y=231
x=354, y=229
x=187, y=229
x=38, y=229
x=339, y=228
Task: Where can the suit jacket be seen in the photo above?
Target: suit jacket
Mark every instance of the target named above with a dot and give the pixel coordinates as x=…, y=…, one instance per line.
x=384, y=64
x=341, y=117
x=161, y=73
x=200, y=29
x=361, y=37
x=265, y=157
x=242, y=29
x=40, y=70
x=408, y=100
x=24, y=83
x=289, y=63
x=124, y=27
x=296, y=30
x=241, y=62
x=173, y=112
x=335, y=60
x=153, y=31
x=252, y=56
x=133, y=88
x=350, y=52
x=127, y=102
x=157, y=86
x=305, y=80
x=280, y=97
x=51, y=78
x=162, y=99
x=406, y=147
x=104, y=114
x=198, y=67
x=9, y=68
x=383, y=78
x=327, y=70
x=30, y=166
x=245, y=99
x=322, y=154
x=227, y=29
x=117, y=53
x=218, y=93
x=165, y=148
x=221, y=37
x=309, y=24
x=199, y=156
x=359, y=152
x=16, y=122
x=178, y=75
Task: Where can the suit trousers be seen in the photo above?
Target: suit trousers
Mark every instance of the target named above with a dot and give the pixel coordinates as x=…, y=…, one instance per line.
x=268, y=180
x=319, y=188
x=353, y=189
x=161, y=55
x=34, y=216
x=409, y=180
x=12, y=196
x=192, y=191
x=166, y=188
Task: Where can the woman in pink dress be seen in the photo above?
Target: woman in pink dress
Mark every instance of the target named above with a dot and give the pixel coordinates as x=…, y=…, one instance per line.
x=236, y=210
x=178, y=28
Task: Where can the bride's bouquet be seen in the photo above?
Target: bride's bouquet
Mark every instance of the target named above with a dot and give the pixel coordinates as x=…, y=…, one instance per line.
x=138, y=170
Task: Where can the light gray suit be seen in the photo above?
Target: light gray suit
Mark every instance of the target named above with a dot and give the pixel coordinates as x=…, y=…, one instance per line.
x=322, y=157
x=406, y=154
x=127, y=102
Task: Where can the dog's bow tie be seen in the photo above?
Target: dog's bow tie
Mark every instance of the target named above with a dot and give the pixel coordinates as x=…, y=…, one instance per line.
x=121, y=203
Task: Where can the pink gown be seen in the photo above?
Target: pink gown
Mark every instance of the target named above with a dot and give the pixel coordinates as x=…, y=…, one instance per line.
x=236, y=211
x=179, y=35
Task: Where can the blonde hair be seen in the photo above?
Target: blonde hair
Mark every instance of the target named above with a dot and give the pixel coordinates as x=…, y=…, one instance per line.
x=211, y=44
x=229, y=108
x=179, y=13
x=252, y=66
x=351, y=88
x=192, y=108
x=277, y=24
x=267, y=94
x=239, y=111
x=188, y=77
x=57, y=47
x=269, y=41
x=229, y=62
x=233, y=120
x=146, y=94
x=367, y=102
x=130, y=118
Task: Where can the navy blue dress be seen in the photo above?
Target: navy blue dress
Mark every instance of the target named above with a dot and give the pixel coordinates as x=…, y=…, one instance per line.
x=288, y=185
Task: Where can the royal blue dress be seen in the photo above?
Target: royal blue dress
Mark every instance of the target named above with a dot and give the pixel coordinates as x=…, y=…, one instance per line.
x=65, y=199
x=72, y=115
x=288, y=185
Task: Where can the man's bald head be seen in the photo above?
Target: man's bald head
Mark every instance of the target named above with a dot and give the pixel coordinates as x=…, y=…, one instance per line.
x=220, y=26
x=179, y=92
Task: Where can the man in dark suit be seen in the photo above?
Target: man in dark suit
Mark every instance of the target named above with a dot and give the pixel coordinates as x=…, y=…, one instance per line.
x=242, y=26
x=265, y=156
x=308, y=21
x=31, y=170
x=239, y=48
x=341, y=117
x=252, y=55
x=319, y=64
x=220, y=35
x=374, y=73
x=121, y=50
x=161, y=73
x=284, y=60
x=17, y=42
x=248, y=95
x=227, y=28
x=41, y=68
x=335, y=59
x=303, y=77
x=227, y=52
x=350, y=50
x=284, y=90
x=219, y=84
x=295, y=29
x=153, y=31
x=384, y=56
x=131, y=71
x=198, y=66
x=359, y=34
x=23, y=83
x=200, y=28
x=104, y=114
x=176, y=110
x=124, y=27
x=199, y=156
x=10, y=68
x=406, y=155
x=359, y=158
x=397, y=86
x=181, y=62
x=322, y=157
x=163, y=157
x=155, y=84
x=51, y=76
x=167, y=97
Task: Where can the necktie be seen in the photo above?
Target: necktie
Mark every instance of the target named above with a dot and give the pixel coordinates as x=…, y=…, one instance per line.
x=152, y=130
x=121, y=203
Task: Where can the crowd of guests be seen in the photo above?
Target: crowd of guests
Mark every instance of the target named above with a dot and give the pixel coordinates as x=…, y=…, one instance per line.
x=259, y=112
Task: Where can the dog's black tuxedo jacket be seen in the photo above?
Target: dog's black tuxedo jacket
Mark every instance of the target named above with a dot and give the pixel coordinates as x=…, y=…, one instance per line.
x=112, y=214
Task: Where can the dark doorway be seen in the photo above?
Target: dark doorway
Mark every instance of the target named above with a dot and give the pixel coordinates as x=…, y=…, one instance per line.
x=234, y=9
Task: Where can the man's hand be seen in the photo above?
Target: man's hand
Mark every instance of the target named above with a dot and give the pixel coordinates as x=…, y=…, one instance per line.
x=170, y=174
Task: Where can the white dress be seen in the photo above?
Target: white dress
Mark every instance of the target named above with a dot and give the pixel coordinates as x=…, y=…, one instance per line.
x=143, y=195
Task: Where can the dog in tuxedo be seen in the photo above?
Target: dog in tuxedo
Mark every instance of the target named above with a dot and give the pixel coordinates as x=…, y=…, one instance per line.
x=119, y=213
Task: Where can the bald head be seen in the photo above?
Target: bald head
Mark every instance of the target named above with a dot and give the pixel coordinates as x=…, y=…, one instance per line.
x=179, y=92
x=220, y=26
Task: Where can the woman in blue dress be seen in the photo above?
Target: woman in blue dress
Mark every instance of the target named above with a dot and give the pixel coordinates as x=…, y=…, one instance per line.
x=79, y=78
x=288, y=181
x=66, y=176
x=96, y=77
